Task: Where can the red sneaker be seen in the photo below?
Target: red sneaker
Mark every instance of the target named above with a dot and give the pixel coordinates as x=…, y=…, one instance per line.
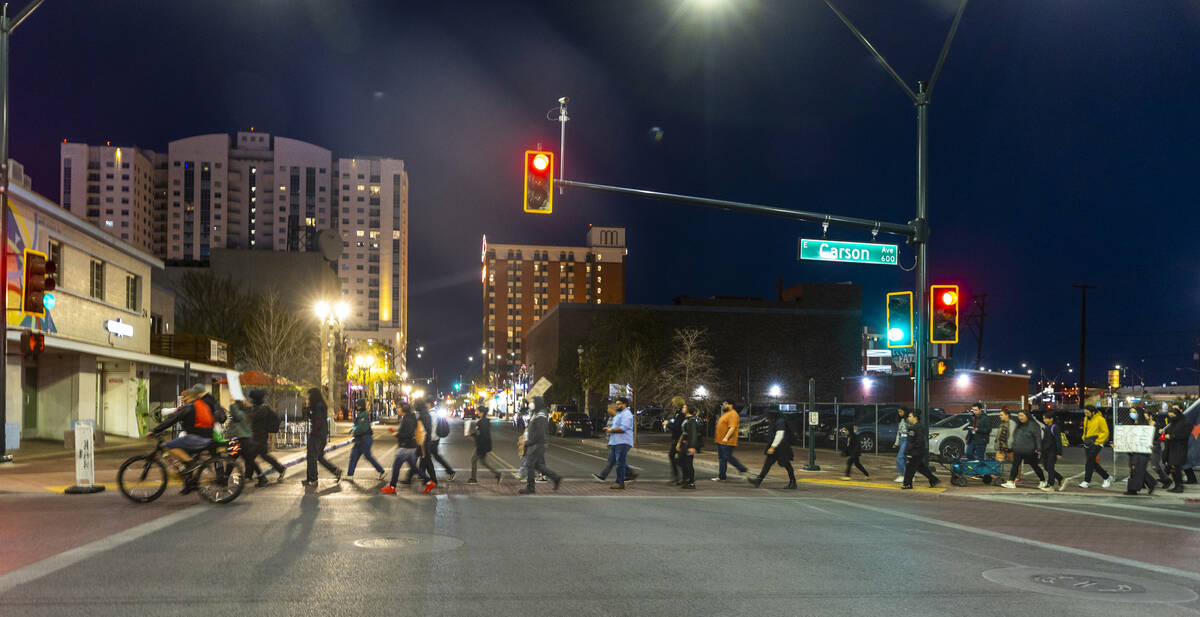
x=428, y=486
x=388, y=490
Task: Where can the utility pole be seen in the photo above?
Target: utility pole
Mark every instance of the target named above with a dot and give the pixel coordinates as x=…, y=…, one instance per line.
x=975, y=322
x=1083, y=342
x=6, y=28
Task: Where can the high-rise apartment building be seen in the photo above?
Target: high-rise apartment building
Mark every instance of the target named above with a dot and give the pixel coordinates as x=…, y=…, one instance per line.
x=372, y=196
x=257, y=193
x=263, y=193
x=117, y=188
x=521, y=282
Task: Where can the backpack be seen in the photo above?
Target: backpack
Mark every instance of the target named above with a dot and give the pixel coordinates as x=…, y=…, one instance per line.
x=273, y=420
x=443, y=428
x=699, y=435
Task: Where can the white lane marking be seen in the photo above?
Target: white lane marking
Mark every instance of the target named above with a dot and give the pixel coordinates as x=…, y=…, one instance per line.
x=1133, y=563
x=1128, y=519
x=603, y=458
x=57, y=562
x=1100, y=502
x=820, y=509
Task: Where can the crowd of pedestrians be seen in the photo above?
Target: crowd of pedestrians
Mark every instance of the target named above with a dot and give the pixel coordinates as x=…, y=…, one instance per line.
x=1168, y=462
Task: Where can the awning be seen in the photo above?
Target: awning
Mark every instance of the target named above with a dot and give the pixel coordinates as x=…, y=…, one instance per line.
x=63, y=344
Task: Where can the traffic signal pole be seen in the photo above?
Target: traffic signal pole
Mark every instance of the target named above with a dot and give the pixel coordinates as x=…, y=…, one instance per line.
x=6, y=27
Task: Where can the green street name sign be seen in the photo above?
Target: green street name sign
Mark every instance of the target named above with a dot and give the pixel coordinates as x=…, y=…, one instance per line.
x=849, y=252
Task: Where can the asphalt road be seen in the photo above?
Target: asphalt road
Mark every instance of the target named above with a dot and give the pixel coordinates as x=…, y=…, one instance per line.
x=345, y=549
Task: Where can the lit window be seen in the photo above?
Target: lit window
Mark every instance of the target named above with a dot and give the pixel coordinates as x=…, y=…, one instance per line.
x=359, y=233
x=362, y=187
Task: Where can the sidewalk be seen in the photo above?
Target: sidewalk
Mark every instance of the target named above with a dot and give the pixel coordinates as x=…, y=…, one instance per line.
x=46, y=466
x=652, y=447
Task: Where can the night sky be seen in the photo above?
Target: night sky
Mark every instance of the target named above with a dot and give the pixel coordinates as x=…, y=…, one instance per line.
x=1061, y=136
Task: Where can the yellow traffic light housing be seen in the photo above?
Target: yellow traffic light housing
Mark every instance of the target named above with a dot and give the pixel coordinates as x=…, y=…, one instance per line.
x=899, y=319
x=539, y=181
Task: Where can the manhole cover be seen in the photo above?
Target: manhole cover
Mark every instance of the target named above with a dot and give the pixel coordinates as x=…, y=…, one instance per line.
x=410, y=543
x=1088, y=585
x=401, y=542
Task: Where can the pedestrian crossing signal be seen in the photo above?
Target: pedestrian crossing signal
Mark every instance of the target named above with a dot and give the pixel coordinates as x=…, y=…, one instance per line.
x=539, y=181
x=32, y=343
x=899, y=319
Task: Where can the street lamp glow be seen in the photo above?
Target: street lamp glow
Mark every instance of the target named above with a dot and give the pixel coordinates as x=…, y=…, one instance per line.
x=963, y=380
x=406, y=389
x=775, y=390
x=404, y=375
x=322, y=310
x=418, y=394
x=701, y=391
x=341, y=310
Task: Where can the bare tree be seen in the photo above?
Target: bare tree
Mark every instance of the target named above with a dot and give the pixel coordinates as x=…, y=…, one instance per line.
x=282, y=343
x=216, y=307
x=637, y=369
x=690, y=372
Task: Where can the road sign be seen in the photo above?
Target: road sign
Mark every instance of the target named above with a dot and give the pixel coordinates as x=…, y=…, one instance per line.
x=814, y=418
x=1114, y=378
x=848, y=252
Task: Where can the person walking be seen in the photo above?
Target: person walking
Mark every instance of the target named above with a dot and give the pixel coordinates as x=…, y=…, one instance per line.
x=853, y=451
x=1192, y=458
x=780, y=451
x=438, y=427
x=408, y=439
x=317, y=414
x=421, y=411
x=263, y=422
x=481, y=430
x=1095, y=435
x=726, y=437
x=1052, y=449
x=241, y=428
x=363, y=439
x=1176, y=433
x=535, y=448
x=1026, y=447
x=1140, y=475
x=916, y=451
x=900, y=443
x=979, y=433
x=620, y=441
x=688, y=444
x=1004, y=436
x=674, y=426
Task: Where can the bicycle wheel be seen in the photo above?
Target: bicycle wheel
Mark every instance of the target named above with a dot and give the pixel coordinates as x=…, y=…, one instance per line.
x=142, y=478
x=219, y=479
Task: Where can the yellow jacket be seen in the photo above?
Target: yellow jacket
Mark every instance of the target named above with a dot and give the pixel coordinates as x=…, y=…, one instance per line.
x=1096, y=426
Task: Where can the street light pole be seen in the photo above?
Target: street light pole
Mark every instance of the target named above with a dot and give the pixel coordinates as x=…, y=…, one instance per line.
x=921, y=98
x=6, y=28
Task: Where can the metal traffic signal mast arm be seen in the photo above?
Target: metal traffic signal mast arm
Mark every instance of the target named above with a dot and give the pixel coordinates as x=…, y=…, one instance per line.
x=912, y=230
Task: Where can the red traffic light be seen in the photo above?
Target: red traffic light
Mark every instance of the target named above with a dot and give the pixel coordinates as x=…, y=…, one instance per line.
x=540, y=162
x=949, y=298
x=539, y=181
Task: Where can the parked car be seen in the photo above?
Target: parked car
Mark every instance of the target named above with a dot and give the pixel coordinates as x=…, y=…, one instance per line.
x=574, y=423
x=883, y=430
x=948, y=436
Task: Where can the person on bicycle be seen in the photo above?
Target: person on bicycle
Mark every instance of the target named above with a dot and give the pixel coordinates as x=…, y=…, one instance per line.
x=197, y=418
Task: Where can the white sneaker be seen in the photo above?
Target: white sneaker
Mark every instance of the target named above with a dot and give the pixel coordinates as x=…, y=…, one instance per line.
x=1107, y=482
x=899, y=479
x=1047, y=488
x=1041, y=485
x=718, y=479
x=1009, y=485
x=1084, y=485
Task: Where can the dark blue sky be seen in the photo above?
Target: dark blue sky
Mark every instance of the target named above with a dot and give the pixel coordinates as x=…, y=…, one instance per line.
x=1062, y=135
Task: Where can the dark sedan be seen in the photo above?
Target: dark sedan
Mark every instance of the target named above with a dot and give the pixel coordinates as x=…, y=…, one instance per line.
x=575, y=423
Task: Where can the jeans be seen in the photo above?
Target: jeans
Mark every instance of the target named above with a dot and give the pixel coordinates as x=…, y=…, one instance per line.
x=361, y=449
x=406, y=455
x=1028, y=459
x=477, y=458
x=900, y=464
x=725, y=458
x=616, y=458
x=673, y=458
x=1091, y=462
x=535, y=463
x=976, y=451
x=316, y=454
x=1049, y=461
x=188, y=443
x=913, y=466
